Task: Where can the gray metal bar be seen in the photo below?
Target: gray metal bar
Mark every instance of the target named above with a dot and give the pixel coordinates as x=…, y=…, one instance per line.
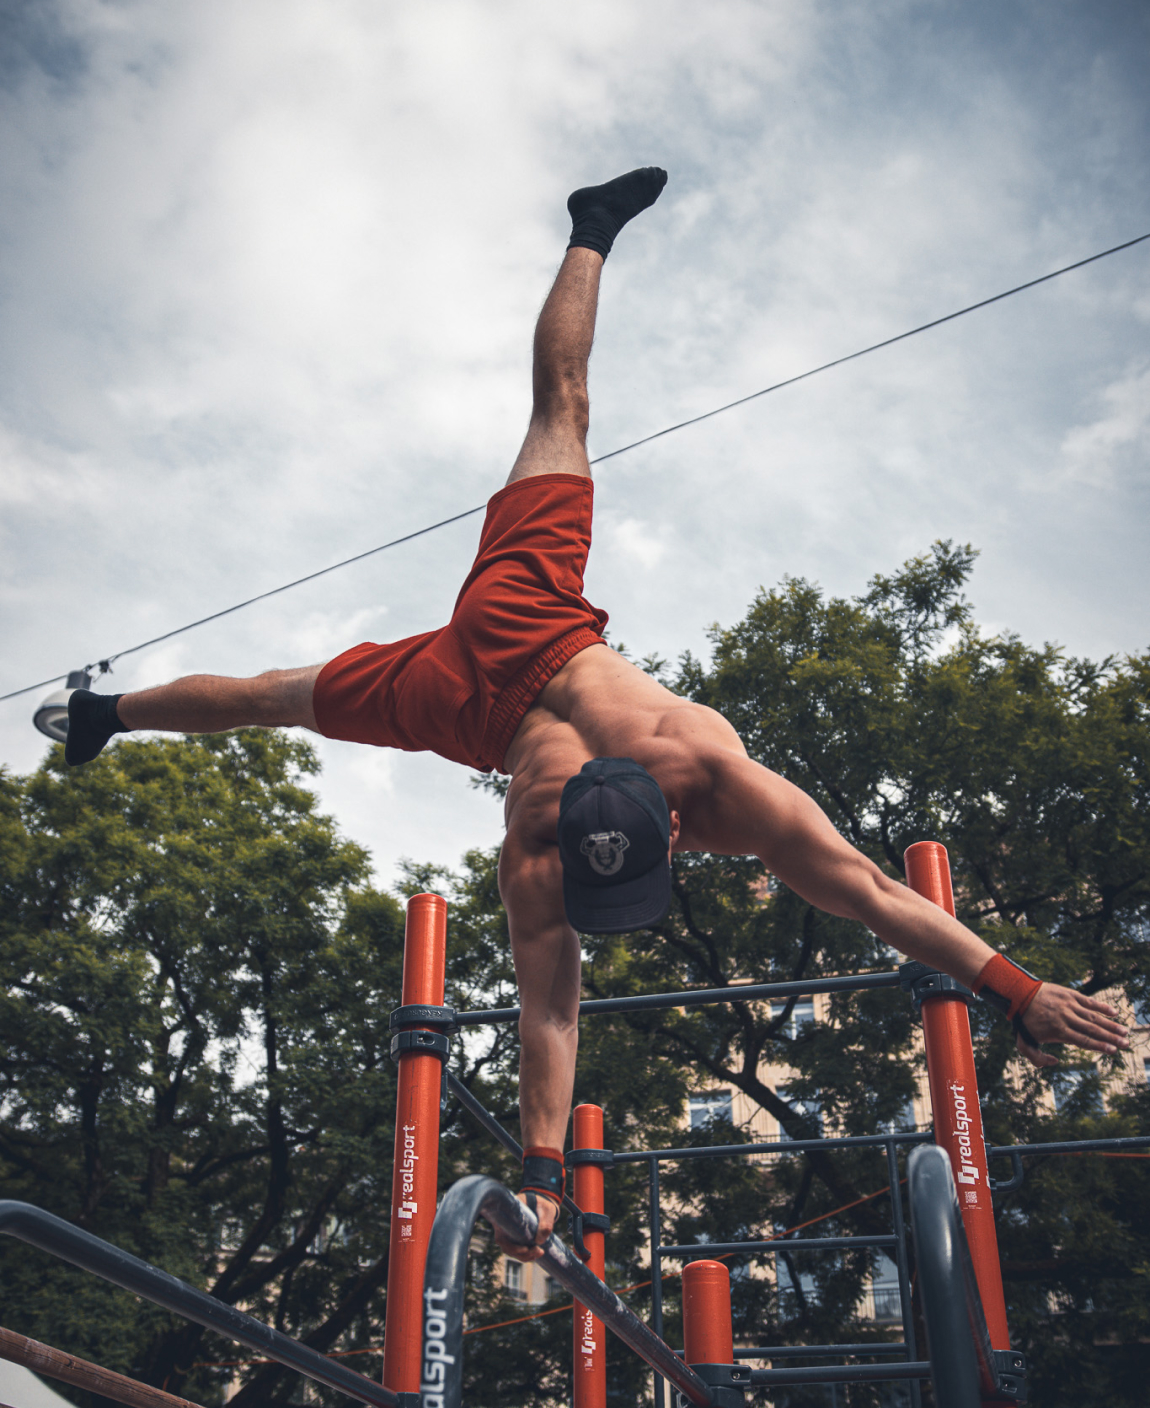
x=656, y=1269
x=444, y=1283
x=803, y=1351
x=774, y=1146
x=904, y=1293
x=61, y=1239
x=841, y=1374
x=699, y=997
x=779, y=1244
x=1072, y=1146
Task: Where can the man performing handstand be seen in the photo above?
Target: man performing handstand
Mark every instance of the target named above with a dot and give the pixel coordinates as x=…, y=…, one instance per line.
x=610, y=772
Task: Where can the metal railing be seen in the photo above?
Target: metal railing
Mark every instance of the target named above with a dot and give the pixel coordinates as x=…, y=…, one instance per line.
x=72, y=1244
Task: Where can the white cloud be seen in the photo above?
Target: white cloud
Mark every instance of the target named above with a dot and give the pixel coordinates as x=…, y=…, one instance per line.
x=1094, y=453
x=269, y=273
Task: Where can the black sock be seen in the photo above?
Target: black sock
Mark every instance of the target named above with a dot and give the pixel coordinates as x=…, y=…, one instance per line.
x=92, y=720
x=598, y=213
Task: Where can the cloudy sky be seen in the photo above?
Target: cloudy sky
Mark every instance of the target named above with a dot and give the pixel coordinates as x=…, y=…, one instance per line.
x=268, y=275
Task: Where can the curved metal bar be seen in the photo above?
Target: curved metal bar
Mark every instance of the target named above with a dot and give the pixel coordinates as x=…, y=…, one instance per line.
x=443, y=1287
x=70, y=1243
x=961, y=1359
x=697, y=997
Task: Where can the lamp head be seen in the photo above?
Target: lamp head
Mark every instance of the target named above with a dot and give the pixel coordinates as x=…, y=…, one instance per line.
x=51, y=718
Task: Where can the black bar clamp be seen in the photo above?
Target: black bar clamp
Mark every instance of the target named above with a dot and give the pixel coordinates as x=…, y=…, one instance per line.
x=728, y=1384
x=576, y=1157
x=433, y=1043
x=1017, y=1174
x=408, y=1400
x=416, y=1013
x=1012, y=1381
x=585, y=1221
x=922, y=981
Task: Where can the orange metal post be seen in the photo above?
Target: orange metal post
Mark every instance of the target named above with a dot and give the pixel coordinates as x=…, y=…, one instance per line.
x=954, y=1100
x=707, y=1335
x=590, y=1350
x=416, y=1170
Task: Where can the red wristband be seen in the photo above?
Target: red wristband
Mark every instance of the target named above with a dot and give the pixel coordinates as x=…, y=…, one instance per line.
x=1006, y=986
x=543, y=1173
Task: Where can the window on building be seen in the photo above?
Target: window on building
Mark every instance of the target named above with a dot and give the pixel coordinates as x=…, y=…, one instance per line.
x=709, y=1106
x=802, y=1015
x=1146, y=1069
x=1076, y=1093
x=553, y=1288
x=809, y=1105
x=514, y=1280
x=885, y=1301
x=1142, y=1010
x=901, y=1121
x=788, y=1297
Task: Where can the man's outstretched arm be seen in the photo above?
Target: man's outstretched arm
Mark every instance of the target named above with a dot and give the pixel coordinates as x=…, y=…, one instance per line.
x=756, y=811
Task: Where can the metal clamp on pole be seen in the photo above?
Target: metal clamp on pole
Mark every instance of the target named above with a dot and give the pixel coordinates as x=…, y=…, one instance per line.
x=922, y=981
x=424, y=1014
x=434, y=1043
x=1017, y=1173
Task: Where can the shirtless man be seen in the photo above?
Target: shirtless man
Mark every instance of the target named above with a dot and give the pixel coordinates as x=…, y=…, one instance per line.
x=610, y=772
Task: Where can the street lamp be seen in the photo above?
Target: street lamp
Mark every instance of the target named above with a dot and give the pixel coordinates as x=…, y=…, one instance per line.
x=51, y=717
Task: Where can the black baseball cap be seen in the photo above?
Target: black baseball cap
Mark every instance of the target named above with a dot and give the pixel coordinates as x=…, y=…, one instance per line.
x=614, y=835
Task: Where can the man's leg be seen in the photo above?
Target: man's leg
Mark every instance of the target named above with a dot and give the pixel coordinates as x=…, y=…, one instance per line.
x=556, y=441
x=194, y=704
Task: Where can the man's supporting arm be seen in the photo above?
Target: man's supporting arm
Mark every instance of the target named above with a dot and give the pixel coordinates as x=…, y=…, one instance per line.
x=547, y=968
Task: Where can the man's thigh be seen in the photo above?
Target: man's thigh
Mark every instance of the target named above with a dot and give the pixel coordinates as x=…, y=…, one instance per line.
x=550, y=448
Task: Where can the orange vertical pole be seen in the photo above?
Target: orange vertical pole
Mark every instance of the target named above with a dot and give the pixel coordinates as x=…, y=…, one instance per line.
x=416, y=1169
x=707, y=1335
x=588, y=1341
x=954, y=1100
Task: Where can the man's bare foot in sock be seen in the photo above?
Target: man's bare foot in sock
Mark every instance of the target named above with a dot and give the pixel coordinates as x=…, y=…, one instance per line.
x=92, y=720
x=598, y=213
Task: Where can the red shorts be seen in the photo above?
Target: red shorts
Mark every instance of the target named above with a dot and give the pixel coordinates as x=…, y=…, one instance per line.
x=462, y=691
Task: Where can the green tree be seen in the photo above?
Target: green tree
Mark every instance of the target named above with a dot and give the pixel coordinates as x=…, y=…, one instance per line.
x=194, y=1049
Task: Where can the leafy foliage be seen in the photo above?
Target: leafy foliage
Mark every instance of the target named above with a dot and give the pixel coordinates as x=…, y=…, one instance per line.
x=197, y=979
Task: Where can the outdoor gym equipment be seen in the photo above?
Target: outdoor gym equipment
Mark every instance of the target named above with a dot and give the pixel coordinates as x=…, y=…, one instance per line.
x=959, y=1277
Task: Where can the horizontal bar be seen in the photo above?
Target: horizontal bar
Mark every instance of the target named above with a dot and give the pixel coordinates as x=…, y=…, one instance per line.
x=776, y=1146
x=699, y=997
x=803, y=1351
x=841, y=1374
x=55, y=1364
x=1068, y=1146
x=778, y=1244
x=72, y=1244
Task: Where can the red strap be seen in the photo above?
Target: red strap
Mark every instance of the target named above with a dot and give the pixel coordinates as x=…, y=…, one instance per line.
x=1006, y=986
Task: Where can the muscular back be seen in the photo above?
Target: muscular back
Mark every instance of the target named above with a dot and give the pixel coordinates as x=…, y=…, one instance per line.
x=601, y=706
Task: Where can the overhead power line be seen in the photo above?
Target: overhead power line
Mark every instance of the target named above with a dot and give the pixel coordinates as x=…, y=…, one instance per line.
x=105, y=663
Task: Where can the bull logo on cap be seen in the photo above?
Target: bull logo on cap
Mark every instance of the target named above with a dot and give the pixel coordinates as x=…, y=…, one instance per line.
x=604, y=850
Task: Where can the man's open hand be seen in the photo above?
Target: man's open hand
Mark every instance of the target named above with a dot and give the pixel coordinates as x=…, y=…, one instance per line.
x=546, y=1212
x=1061, y=1014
